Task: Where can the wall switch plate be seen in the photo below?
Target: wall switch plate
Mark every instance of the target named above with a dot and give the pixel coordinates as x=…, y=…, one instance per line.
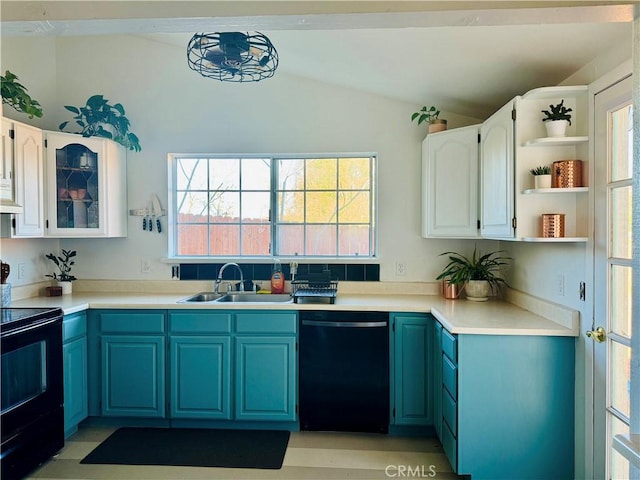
x=560, y=285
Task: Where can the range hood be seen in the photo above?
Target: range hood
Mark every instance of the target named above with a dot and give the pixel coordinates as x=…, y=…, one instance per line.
x=9, y=206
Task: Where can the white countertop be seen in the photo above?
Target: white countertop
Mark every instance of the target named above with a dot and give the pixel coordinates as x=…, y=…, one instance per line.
x=457, y=316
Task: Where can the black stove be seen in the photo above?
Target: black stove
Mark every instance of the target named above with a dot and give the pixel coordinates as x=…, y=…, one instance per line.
x=15, y=318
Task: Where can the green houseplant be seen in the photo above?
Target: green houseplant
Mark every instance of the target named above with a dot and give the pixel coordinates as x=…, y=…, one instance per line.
x=98, y=118
x=15, y=95
x=485, y=268
x=64, y=264
x=430, y=115
x=556, y=119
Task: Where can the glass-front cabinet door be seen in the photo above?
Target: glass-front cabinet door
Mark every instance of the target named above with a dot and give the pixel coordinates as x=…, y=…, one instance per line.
x=77, y=170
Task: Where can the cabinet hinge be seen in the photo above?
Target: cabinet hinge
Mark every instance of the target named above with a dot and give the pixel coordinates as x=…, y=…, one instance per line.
x=514, y=223
x=13, y=222
x=296, y=346
x=12, y=134
x=478, y=225
x=45, y=143
x=478, y=138
x=513, y=114
x=393, y=326
x=46, y=223
x=296, y=409
x=394, y=412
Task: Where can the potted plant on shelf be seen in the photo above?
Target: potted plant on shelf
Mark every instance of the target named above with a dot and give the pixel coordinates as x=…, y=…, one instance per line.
x=430, y=115
x=64, y=263
x=557, y=119
x=15, y=95
x=478, y=275
x=541, y=176
x=100, y=119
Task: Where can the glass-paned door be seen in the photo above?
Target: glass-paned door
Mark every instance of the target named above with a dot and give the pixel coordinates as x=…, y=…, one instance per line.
x=613, y=321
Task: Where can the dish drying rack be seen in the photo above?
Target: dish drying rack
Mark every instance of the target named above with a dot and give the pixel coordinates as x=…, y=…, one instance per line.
x=319, y=286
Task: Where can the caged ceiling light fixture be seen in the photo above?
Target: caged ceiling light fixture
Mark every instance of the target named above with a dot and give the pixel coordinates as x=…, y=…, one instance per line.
x=232, y=56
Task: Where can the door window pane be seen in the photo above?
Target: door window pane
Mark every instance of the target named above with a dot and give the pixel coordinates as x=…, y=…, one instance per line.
x=621, y=221
x=620, y=377
x=619, y=464
x=621, y=144
x=621, y=300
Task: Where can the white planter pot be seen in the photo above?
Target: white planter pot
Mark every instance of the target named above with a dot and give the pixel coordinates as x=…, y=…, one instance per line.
x=477, y=290
x=556, y=128
x=66, y=287
x=542, y=181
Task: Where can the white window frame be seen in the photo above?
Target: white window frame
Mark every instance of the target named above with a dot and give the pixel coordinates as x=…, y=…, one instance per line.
x=172, y=213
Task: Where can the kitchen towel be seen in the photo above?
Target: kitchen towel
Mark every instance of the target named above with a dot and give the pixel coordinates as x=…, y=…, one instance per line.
x=197, y=447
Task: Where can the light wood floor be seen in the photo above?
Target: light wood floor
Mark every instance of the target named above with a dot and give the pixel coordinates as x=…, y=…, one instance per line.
x=310, y=455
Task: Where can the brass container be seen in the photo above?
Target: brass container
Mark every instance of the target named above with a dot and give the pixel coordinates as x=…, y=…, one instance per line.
x=450, y=291
x=566, y=174
x=553, y=225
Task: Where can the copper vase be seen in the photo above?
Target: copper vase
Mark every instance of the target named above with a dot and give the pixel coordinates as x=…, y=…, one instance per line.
x=450, y=291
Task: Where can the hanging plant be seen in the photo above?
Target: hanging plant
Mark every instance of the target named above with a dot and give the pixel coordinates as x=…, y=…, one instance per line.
x=15, y=95
x=100, y=119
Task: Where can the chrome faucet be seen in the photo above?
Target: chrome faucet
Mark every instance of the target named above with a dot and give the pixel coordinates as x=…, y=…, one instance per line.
x=216, y=287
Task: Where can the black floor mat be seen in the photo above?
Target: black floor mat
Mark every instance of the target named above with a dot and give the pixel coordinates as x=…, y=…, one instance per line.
x=193, y=447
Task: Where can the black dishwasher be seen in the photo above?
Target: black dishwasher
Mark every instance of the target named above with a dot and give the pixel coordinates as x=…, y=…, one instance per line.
x=344, y=371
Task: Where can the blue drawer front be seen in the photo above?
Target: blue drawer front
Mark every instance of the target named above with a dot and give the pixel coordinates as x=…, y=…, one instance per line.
x=74, y=325
x=266, y=322
x=450, y=345
x=128, y=322
x=200, y=322
x=450, y=446
x=449, y=412
x=450, y=376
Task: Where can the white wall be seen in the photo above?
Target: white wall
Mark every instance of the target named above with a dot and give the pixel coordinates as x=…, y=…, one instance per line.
x=173, y=109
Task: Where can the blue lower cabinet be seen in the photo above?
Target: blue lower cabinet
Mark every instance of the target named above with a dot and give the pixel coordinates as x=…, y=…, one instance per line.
x=266, y=375
x=133, y=370
x=74, y=354
x=413, y=389
x=200, y=380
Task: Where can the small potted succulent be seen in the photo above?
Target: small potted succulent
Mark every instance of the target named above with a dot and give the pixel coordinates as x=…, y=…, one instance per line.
x=64, y=263
x=541, y=176
x=430, y=115
x=557, y=119
x=477, y=275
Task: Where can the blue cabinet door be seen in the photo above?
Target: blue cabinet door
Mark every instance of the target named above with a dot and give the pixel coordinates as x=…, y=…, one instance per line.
x=76, y=403
x=200, y=377
x=133, y=375
x=413, y=369
x=437, y=379
x=265, y=378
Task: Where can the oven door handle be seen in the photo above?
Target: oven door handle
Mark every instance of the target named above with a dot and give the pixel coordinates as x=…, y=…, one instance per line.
x=31, y=327
x=322, y=323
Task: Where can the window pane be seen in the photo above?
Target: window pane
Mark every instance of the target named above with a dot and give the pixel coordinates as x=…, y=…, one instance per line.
x=321, y=240
x=354, y=173
x=353, y=240
x=622, y=132
x=255, y=239
x=321, y=207
x=291, y=240
x=353, y=207
x=255, y=207
x=621, y=300
x=620, y=372
x=225, y=207
x=621, y=220
x=192, y=240
x=192, y=207
x=619, y=465
x=191, y=174
x=224, y=239
x=290, y=207
x=256, y=174
x=290, y=174
x=322, y=174
x=224, y=173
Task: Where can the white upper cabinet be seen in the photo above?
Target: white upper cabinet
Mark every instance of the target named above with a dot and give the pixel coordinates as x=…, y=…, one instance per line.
x=29, y=180
x=496, y=174
x=6, y=167
x=86, y=186
x=450, y=183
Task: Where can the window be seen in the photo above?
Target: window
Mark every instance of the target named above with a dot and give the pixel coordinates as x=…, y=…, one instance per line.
x=316, y=206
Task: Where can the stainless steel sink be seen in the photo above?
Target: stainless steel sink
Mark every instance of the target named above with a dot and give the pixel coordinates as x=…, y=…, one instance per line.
x=202, y=297
x=255, y=298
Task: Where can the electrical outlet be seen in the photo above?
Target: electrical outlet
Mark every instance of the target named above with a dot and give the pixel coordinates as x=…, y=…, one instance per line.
x=400, y=268
x=145, y=266
x=22, y=271
x=560, y=285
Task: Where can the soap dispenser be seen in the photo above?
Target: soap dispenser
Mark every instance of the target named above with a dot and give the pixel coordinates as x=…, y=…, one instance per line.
x=277, y=278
